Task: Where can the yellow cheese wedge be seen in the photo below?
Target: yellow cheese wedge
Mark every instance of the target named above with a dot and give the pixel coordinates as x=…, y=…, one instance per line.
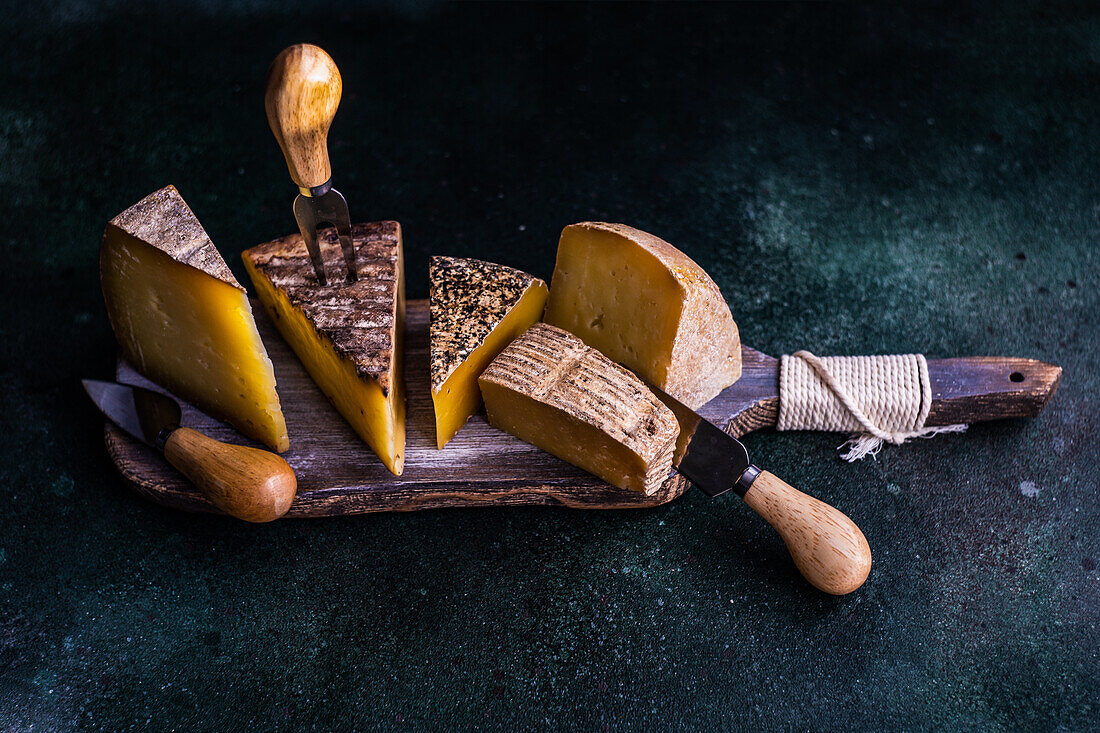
x=551, y=390
x=477, y=308
x=183, y=320
x=347, y=335
x=647, y=305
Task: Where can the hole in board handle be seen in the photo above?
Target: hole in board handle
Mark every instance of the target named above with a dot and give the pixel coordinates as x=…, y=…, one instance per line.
x=1016, y=377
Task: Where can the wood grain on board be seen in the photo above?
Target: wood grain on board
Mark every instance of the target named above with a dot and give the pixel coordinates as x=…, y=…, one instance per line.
x=338, y=474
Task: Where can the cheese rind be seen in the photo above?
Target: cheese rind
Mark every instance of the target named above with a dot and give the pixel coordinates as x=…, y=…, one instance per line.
x=550, y=389
x=477, y=308
x=183, y=320
x=647, y=305
x=349, y=336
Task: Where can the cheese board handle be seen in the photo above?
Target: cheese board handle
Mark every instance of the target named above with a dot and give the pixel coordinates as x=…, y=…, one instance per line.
x=248, y=483
x=827, y=547
x=302, y=93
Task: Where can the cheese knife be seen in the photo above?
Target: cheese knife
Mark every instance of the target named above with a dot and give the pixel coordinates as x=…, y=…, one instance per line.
x=827, y=547
x=248, y=483
x=303, y=90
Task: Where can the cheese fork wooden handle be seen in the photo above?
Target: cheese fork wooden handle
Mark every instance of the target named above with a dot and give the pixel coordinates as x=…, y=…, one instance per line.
x=303, y=90
x=827, y=547
x=248, y=483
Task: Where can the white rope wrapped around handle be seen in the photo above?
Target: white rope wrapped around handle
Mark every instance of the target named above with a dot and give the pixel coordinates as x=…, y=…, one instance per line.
x=878, y=398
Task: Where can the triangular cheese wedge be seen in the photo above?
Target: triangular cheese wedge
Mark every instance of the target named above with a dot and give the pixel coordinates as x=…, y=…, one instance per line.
x=347, y=335
x=477, y=309
x=183, y=320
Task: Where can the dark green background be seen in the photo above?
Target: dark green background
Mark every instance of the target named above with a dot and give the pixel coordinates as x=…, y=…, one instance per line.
x=857, y=180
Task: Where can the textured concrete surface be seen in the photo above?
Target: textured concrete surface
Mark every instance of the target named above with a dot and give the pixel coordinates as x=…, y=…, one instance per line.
x=857, y=179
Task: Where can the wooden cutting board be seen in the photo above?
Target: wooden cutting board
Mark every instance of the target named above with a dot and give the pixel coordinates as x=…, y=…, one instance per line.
x=338, y=474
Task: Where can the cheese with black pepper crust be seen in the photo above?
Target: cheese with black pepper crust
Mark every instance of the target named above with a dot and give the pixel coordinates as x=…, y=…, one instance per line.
x=550, y=389
x=477, y=308
x=348, y=336
x=183, y=320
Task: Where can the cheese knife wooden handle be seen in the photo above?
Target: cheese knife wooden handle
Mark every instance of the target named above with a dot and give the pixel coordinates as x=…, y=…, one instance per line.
x=303, y=90
x=827, y=547
x=248, y=483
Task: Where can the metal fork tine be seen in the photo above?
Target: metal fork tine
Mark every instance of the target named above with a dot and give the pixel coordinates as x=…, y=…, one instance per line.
x=307, y=225
x=310, y=235
x=333, y=207
x=343, y=228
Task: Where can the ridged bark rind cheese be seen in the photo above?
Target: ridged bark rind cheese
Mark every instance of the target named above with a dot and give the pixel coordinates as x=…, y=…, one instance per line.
x=550, y=389
x=349, y=336
x=645, y=304
x=183, y=320
x=476, y=309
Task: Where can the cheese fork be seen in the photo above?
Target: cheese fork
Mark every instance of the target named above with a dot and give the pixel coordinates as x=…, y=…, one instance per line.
x=303, y=92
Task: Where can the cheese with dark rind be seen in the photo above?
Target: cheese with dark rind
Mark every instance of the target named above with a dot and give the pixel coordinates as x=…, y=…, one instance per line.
x=550, y=389
x=647, y=305
x=348, y=336
x=183, y=320
x=477, y=308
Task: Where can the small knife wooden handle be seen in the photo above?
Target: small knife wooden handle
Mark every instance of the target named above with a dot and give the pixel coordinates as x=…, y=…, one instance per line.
x=248, y=483
x=828, y=548
x=302, y=93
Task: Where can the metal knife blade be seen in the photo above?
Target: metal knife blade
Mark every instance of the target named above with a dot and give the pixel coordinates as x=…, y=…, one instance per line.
x=147, y=415
x=827, y=547
x=707, y=456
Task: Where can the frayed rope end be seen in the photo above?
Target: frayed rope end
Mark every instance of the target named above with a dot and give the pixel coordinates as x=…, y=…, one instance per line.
x=865, y=444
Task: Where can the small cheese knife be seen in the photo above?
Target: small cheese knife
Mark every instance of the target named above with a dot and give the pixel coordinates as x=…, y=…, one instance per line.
x=248, y=483
x=827, y=547
x=303, y=92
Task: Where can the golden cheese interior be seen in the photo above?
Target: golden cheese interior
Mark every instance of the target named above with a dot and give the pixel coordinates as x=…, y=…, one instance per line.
x=362, y=376
x=192, y=333
x=477, y=308
x=459, y=397
x=618, y=298
x=377, y=418
x=643, y=303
